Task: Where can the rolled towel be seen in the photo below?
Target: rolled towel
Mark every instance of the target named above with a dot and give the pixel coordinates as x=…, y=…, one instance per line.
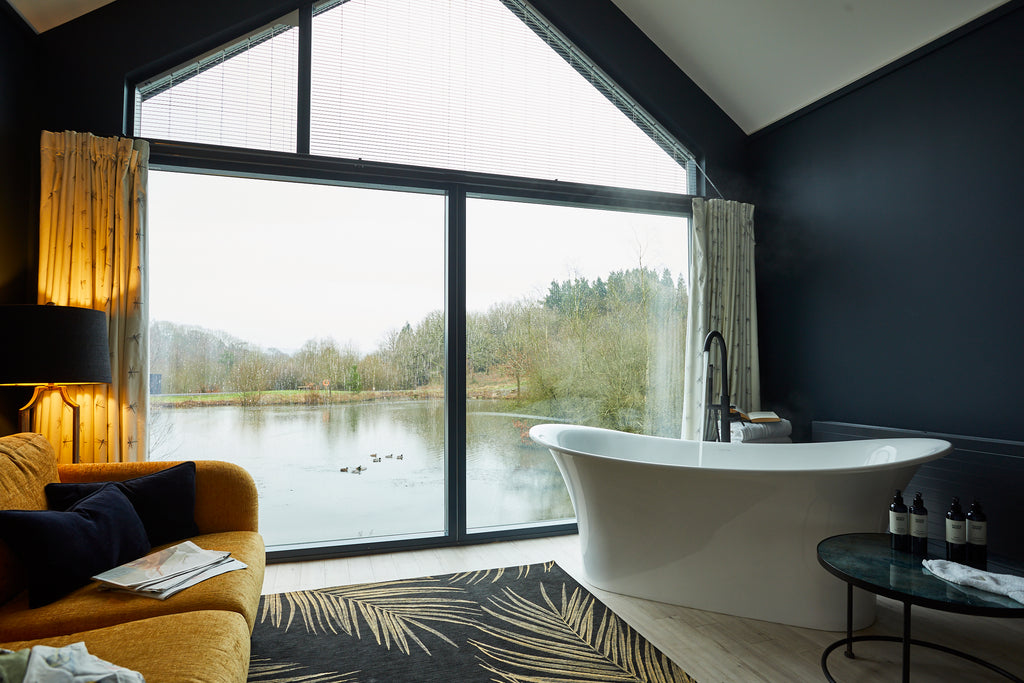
x=1004, y=584
x=760, y=431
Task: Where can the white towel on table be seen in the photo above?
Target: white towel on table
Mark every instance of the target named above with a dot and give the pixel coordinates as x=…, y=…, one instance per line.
x=761, y=431
x=954, y=572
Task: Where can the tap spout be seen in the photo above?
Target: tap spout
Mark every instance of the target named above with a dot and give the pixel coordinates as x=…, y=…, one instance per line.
x=716, y=336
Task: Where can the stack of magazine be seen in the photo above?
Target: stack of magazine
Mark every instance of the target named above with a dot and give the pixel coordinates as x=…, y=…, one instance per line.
x=163, y=573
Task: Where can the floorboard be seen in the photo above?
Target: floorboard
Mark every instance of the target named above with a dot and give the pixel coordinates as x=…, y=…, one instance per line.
x=713, y=648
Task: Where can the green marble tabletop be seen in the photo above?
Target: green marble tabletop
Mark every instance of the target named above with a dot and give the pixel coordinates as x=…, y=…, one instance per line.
x=866, y=561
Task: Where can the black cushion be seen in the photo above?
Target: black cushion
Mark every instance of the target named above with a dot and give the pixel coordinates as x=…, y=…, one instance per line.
x=164, y=500
x=60, y=551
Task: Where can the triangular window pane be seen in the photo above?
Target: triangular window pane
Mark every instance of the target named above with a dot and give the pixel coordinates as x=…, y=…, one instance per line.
x=483, y=86
x=243, y=94
x=467, y=85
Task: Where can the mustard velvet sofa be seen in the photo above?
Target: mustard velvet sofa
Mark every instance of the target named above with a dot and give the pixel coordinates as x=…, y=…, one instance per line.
x=200, y=634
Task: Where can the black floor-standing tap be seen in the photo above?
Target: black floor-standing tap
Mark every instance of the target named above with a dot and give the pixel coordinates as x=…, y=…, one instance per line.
x=724, y=433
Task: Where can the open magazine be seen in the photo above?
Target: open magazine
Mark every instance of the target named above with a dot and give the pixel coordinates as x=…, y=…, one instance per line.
x=163, y=573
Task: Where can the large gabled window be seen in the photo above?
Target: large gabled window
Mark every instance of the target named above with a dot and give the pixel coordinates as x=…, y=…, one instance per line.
x=469, y=85
x=486, y=234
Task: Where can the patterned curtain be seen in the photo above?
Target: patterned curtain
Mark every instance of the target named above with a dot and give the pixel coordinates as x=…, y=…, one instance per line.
x=723, y=298
x=92, y=254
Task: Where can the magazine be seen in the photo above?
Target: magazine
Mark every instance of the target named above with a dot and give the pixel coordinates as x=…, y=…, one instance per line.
x=163, y=573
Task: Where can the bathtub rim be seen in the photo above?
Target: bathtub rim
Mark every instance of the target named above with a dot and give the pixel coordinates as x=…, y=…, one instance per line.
x=941, y=448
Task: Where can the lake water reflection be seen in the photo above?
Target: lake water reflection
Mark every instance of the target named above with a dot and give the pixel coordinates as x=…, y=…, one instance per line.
x=297, y=455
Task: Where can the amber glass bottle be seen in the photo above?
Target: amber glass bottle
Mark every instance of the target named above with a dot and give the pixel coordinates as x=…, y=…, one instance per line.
x=918, y=526
x=899, y=523
x=977, y=536
x=956, y=533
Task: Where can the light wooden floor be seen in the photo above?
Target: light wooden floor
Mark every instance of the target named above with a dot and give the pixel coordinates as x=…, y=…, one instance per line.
x=711, y=647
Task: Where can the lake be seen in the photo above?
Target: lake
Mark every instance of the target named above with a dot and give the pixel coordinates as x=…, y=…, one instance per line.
x=318, y=480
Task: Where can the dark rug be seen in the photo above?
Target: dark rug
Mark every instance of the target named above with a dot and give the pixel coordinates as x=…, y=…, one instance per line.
x=530, y=623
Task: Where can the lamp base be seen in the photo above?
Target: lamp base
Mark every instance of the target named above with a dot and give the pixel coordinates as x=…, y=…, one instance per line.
x=25, y=414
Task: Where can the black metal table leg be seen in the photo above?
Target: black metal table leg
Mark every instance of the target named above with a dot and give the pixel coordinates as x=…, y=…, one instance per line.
x=906, y=642
x=849, y=622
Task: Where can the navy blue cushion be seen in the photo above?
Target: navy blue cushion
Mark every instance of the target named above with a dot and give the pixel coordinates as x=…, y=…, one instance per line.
x=61, y=551
x=164, y=500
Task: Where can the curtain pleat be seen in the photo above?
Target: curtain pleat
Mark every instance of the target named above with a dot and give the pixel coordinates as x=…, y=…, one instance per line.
x=723, y=298
x=92, y=254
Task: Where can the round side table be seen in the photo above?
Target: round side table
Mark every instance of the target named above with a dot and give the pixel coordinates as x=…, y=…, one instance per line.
x=866, y=561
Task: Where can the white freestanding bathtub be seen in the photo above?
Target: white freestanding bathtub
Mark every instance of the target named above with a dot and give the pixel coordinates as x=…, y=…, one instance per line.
x=729, y=527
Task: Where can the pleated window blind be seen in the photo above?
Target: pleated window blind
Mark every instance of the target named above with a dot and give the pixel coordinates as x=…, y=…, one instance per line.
x=243, y=94
x=469, y=85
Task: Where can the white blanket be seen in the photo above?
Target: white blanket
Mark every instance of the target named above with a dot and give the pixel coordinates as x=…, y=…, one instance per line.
x=1004, y=584
x=68, y=664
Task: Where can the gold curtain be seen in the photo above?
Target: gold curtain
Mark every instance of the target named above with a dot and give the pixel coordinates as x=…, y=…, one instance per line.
x=92, y=253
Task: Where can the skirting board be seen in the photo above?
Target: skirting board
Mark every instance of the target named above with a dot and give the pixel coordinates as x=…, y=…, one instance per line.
x=991, y=470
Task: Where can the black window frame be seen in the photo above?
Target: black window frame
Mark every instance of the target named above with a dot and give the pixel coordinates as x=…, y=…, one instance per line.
x=457, y=187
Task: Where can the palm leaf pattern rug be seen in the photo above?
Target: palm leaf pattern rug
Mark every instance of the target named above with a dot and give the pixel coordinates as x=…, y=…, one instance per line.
x=527, y=624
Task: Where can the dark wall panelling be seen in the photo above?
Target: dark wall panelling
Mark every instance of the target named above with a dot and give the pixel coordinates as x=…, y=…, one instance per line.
x=987, y=469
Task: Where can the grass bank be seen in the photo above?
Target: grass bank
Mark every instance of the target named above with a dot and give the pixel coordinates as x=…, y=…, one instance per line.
x=477, y=387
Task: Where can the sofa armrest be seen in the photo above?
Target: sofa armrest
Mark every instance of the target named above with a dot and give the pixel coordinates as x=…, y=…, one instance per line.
x=226, y=497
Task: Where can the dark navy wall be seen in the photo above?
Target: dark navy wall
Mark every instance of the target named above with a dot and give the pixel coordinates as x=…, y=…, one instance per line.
x=891, y=245
x=19, y=145
x=19, y=193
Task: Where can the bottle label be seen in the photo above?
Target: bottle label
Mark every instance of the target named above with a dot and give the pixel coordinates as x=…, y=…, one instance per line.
x=899, y=523
x=977, y=533
x=956, y=531
x=919, y=526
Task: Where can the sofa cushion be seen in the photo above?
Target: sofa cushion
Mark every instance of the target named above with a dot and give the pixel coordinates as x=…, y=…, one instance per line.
x=89, y=607
x=61, y=550
x=226, y=495
x=164, y=500
x=193, y=647
x=27, y=464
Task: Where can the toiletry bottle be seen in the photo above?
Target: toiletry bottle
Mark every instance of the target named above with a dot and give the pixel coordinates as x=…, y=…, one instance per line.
x=918, y=526
x=977, y=536
x=899, y=523
x=956, y=533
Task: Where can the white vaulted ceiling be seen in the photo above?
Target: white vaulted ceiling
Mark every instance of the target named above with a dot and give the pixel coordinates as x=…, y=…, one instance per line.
x=759, y=60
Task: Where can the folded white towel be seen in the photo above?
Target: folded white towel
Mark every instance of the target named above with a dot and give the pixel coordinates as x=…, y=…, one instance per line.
x=954, y=572
x=760, y=431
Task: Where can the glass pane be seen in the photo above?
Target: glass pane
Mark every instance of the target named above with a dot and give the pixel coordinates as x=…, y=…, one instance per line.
x=467, y=85
x=298, y=331
x=245, y=95
x=573, y=315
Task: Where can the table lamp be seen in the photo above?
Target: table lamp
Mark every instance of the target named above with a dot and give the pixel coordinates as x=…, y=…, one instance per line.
x=50, y=347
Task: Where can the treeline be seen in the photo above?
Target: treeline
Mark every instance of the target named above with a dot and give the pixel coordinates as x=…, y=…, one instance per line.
x=590, y=351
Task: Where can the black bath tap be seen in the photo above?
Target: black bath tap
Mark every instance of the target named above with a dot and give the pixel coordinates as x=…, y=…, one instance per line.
x=724, y=433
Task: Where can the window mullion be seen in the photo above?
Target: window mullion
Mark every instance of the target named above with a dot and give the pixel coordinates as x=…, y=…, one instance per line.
x=455, y=362
x=305, y=84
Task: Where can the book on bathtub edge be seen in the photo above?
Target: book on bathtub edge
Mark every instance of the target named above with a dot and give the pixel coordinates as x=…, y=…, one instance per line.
x=760, y=416
x=165, y=572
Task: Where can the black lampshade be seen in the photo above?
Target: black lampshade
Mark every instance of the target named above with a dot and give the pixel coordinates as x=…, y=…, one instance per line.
x=53, y=345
